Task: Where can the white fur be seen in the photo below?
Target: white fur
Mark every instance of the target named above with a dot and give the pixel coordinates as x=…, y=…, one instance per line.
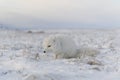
x=65, y=47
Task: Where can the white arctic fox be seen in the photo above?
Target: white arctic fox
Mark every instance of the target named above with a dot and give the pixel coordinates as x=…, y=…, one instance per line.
x=65, y=47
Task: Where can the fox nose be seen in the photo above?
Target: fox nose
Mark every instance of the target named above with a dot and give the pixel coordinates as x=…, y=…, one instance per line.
x=44, y=51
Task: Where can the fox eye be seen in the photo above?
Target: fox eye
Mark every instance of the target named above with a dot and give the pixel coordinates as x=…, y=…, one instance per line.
x=49, y=45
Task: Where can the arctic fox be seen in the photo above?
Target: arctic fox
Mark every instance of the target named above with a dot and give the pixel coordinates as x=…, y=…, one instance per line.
x=65, y=47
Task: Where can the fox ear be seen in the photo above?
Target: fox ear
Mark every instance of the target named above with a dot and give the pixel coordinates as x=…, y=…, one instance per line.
x=53, y=40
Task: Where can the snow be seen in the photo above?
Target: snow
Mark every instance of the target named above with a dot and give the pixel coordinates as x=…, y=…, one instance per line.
x=22, y=57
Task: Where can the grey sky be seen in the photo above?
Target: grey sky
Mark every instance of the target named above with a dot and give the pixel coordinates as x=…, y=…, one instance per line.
x=60, y=13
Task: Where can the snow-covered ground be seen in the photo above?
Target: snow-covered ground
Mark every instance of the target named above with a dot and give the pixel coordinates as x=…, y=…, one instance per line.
x=22, y=57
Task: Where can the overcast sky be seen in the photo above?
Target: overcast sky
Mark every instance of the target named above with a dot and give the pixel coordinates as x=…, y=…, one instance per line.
x=60, y=13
